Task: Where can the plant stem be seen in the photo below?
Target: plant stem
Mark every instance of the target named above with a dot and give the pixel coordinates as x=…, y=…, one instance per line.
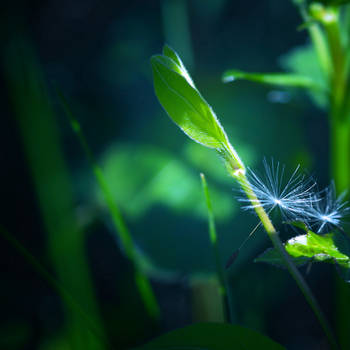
x=318, y=40
x=240, y=176
x=141, y=280
x=213, y=239
x=340, y=152
x=338, y=78
x=339, y=122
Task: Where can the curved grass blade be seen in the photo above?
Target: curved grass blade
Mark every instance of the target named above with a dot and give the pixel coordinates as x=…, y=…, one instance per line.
x=142, y=282
x=36, y=123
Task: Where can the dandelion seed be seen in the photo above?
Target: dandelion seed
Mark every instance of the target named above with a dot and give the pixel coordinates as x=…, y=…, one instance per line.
x=327, y=211
x=291, y=196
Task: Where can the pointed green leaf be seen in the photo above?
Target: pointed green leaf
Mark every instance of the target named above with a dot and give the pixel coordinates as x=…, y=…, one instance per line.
x=279, y=79
x=212, y=336
x=169, y=52
x=183, y=102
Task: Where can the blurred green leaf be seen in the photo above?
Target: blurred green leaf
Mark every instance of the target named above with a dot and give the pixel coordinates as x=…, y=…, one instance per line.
x=183, y=102
x=167, y=186
x=15, y=335
x=206, y=161
x=212, y=336
x=304, y=61
x=209, y=163
x=160, y=179
x=279, y=79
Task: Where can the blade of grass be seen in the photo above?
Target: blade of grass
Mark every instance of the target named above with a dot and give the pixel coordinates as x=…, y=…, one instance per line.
x=41, y=145
x=53, y=282
x=214, y=242
x=142, y=282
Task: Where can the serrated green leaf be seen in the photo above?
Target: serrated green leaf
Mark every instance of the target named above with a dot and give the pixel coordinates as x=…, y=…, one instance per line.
x=314, y=247
x=212, y=336
x=279, y=79
x=183, y=102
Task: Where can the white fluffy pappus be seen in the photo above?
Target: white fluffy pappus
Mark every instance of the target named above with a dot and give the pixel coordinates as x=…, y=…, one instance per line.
x=273, y=189
x=327, y=210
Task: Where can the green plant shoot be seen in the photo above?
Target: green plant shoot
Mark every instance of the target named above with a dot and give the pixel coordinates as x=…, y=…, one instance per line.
x=188, y=109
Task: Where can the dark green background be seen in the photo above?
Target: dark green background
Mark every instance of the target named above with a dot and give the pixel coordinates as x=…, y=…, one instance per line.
x=98, y=53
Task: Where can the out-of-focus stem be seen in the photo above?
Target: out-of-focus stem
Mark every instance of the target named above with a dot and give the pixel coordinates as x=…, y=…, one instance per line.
x=339, y=147
x=318, y=40
x=340, y=153
x=214, y=242
x=339, y=76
